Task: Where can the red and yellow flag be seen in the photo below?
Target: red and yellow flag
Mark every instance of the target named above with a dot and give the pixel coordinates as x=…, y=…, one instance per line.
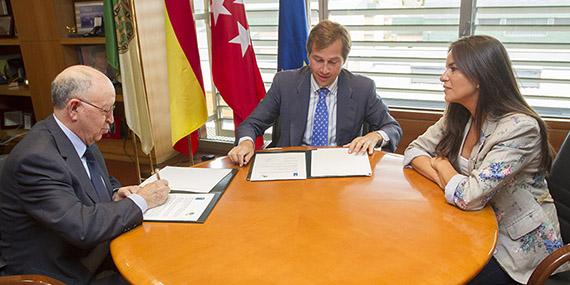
x=187, y=97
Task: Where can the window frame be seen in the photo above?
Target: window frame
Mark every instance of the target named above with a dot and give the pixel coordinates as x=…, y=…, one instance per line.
x=467, y=26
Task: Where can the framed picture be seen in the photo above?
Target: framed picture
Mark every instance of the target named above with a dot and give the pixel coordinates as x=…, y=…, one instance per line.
x=95, y=56
x=6, y=26
x=88, y=15
x=12, y=119
x=3, y=8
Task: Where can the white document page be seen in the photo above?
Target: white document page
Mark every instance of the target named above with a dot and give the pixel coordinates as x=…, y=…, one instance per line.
x=279, y=166
x=338, y=162
x=180, y=207
x=189, y=179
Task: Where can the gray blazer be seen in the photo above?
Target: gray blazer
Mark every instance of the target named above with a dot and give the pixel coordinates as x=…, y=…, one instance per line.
x=504, y=170
x=288, y=101
x=50, y=215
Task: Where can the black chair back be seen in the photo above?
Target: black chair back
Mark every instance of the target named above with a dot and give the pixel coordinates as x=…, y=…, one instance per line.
x=2, y=261
x=559, y=186
x=275, y=134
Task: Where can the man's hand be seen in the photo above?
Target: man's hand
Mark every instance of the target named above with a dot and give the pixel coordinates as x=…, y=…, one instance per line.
x=362, y=144
x=124, y=192
x=242, y=153
x=155, y=193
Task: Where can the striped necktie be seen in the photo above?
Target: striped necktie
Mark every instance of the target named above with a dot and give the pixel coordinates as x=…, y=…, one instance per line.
x=96, y=176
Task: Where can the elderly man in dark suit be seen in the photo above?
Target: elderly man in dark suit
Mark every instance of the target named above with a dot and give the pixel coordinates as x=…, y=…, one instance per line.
x=59, y=208
x=322, y=104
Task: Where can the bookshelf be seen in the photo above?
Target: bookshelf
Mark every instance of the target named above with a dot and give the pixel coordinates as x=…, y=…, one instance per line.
x=82, y=41
x=9, y=42
x=46, y=50
x=20, y=90
x=40, y=53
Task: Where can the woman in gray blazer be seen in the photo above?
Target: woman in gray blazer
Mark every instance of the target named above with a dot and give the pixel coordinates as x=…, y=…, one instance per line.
x=490, y=147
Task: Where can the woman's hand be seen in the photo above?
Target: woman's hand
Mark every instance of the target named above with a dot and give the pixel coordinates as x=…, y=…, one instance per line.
x=444, y=169
x=422, y=164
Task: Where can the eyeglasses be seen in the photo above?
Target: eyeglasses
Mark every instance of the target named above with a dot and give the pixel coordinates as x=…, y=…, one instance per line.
x=106, y=112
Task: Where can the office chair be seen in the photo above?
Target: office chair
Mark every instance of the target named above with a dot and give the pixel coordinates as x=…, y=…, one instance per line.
x=2, y=261
x=559, y=186
x=275, y=134
x=29, y=280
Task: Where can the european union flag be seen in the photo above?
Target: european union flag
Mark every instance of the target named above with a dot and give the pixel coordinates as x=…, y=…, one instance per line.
x=293, y=33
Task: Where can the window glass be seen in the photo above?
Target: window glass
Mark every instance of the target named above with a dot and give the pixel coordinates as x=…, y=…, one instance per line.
x=537, y=37
x=401, y=45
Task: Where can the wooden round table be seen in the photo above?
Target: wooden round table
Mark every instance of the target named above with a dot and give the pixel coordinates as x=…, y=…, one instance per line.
x=392, y=228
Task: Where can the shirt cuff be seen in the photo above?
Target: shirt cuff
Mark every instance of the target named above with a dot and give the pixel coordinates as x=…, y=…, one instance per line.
x=452, y=186
x=139, y=200
x=246, y=139
x=412, y=153
x=385, y=138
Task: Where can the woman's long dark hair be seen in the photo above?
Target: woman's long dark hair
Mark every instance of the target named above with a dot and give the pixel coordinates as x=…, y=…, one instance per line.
x=484, y=60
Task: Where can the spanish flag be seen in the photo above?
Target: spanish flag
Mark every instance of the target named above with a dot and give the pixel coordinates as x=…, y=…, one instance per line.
x=187, y=97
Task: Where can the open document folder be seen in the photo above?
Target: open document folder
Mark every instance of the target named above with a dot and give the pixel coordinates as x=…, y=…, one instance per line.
x=195, y=192
x=324, y=162
x=189, y=179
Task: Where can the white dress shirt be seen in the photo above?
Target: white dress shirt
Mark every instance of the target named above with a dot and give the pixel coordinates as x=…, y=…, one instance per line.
x=80, y=148
x=331, y=102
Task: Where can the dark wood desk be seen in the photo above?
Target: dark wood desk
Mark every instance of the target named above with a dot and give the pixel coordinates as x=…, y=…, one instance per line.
x=392, y=228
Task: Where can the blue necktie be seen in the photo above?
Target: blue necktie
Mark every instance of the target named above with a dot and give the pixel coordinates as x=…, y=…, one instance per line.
x=96, y=176
x=321, y=120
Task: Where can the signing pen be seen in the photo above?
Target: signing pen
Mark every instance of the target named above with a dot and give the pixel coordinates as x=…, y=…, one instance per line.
x=156, y=170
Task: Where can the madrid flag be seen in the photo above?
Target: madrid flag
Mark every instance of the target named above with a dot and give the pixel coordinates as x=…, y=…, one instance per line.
x=234, y=68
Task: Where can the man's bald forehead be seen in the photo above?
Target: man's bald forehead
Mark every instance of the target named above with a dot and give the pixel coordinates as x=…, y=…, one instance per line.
x=83, y=71
x=76, y=81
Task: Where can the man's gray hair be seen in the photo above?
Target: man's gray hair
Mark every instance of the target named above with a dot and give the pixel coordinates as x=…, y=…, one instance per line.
x=65, y=87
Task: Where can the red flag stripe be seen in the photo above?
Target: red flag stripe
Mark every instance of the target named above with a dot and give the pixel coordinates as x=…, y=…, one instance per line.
x=182, y=145
x=182, y=20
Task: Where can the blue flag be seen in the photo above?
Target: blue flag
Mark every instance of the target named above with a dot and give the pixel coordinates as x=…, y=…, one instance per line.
x=293, y=33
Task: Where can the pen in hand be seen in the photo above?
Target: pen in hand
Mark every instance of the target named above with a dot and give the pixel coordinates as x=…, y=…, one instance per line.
x=157, y=171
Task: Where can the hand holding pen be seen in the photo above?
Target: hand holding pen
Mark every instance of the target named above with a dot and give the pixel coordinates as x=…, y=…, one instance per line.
x=155, y=193
x=157, y=171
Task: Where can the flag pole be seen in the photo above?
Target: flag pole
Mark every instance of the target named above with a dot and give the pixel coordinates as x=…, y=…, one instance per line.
x=308, y=12
x=135, y=23
x=134, y=140
x=151, y=164
x=190, y=154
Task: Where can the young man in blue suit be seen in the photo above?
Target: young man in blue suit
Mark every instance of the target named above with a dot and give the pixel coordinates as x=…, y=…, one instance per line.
x=322, y=104
x=59, y=208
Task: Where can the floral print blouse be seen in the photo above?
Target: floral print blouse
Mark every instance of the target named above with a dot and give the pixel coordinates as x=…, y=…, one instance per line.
x=504, y=171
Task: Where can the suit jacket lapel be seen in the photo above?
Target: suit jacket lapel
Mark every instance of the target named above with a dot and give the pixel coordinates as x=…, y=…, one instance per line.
x=300, y=109
x=488, y=129
x=345, y=109
x=69, y=154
